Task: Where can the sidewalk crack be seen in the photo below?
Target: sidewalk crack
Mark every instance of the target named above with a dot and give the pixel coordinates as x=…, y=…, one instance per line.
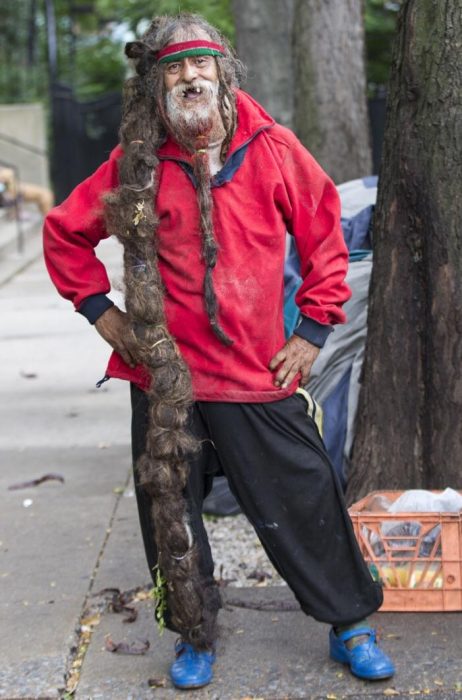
x=90, y=613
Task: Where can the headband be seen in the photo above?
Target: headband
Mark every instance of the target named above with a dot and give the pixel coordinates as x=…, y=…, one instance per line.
x=198, y=47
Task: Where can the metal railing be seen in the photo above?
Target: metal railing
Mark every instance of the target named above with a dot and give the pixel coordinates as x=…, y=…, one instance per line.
x=16, y=203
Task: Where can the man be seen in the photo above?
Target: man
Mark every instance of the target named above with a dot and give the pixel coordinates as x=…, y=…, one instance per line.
x=201, y=193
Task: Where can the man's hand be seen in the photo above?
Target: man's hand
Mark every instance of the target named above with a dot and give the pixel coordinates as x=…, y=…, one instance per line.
x=297, y=355
x=113, y=325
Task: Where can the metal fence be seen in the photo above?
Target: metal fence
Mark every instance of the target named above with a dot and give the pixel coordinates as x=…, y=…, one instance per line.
x=83, y=135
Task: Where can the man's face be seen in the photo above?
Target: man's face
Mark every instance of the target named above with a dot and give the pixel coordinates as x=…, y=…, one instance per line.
x=191, y=98
x=186, y=72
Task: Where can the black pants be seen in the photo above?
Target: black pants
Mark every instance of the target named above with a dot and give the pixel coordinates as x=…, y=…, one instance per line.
x=278, y=470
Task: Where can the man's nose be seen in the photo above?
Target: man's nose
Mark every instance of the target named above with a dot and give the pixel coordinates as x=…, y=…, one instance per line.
x=189, y=71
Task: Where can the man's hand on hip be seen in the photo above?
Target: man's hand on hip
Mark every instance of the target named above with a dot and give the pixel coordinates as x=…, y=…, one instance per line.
x=113, y=325
x=296, y=356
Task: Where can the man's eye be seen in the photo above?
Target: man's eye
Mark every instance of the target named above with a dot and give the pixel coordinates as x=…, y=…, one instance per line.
x=173, y=68
x=201, y=60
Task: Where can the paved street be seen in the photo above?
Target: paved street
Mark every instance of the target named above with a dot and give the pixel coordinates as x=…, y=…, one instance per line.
x=69, y=549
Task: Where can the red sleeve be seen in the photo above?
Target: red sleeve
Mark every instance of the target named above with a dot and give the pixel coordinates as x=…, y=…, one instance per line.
x=313, y=218
x=71, y=232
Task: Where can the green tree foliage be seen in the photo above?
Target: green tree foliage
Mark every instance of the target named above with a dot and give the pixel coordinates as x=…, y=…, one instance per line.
x=136, y=12
x=380, y=22
x=21, y=56
x=90, y=39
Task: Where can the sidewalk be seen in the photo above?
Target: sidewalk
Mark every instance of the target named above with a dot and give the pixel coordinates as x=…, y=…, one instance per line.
x=20, y=241
x=66, y=547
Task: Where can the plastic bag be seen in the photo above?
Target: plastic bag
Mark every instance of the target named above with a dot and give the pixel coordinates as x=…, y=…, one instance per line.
x=408, y=531
x=420, y=501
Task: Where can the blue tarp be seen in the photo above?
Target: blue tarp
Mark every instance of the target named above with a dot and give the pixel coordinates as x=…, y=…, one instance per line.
x=356, y=230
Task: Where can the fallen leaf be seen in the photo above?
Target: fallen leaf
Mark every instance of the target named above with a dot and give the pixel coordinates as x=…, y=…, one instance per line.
x=87, y=623
x=136, y=648
x=331, y=696
x=119, y=604
x=393, y=636
x=239, y=631
x=157, y=682
x=72, y=682
x=36, y=482
x=131, y=615
x=390, y=691
x=118, y=490
x=438, y=682
x=340, y=674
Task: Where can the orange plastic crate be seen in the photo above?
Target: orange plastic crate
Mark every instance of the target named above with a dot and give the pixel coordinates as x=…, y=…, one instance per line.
x=412, y=582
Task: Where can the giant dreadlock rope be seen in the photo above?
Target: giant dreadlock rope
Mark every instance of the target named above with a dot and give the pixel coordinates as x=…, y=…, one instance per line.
x=130, y=216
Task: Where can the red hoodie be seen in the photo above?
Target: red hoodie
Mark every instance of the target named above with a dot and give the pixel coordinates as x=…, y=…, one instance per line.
x=268, y=185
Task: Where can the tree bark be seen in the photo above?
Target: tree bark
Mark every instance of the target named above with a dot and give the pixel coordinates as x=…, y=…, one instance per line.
x=409, y=427
x=264, y=44
x=330, y=96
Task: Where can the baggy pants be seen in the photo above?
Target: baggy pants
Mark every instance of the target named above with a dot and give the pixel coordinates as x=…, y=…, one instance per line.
x=281, y=476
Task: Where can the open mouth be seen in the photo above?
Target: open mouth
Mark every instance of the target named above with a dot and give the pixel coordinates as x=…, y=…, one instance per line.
x=192, y=93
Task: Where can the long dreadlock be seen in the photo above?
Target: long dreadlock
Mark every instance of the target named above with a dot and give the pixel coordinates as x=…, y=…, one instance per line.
x=130, y=216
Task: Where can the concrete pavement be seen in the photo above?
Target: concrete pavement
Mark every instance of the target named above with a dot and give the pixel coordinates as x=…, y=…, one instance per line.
x=64, y=545
x=20, y=240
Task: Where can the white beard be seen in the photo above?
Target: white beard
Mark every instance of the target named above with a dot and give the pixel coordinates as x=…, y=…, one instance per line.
x=192, y=116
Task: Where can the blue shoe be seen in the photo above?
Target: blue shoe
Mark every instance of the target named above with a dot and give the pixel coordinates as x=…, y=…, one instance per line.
x=191, y=669
x=365, y=660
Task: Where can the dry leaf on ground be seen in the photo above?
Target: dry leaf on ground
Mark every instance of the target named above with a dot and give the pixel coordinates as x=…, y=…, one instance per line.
x=36, y=482
x=136, y=648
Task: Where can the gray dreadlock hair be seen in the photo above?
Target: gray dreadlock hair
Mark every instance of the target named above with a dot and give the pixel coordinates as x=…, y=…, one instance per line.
x=130, y=216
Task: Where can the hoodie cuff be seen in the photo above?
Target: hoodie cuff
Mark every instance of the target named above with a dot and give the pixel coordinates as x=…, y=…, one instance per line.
x=93, y=307
x=312, y=331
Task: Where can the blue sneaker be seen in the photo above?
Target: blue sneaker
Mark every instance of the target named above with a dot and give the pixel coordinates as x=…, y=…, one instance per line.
x=365, y=660
x=191, y=668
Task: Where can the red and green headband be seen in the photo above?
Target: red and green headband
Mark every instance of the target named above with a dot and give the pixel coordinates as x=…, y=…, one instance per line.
x=198, y=47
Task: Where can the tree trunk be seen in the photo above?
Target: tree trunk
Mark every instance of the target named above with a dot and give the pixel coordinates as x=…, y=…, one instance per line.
x=264, y=44
x=330, y=95
x=409, y=427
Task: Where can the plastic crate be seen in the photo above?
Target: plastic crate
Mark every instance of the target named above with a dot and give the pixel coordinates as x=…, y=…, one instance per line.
x=420, y=569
